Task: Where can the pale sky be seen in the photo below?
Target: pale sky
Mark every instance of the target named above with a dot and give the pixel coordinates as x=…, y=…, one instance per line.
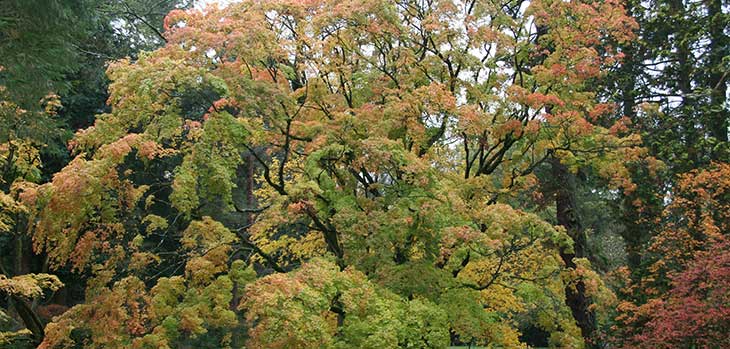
x=200, y=4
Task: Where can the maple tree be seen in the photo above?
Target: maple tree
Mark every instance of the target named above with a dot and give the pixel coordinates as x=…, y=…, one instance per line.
x=687, y=266
x=375, y=135
x=695, y=312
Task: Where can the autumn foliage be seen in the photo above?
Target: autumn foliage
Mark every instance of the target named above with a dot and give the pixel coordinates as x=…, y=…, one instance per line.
x=364, y=174
x=681, y=300
x=696, y=312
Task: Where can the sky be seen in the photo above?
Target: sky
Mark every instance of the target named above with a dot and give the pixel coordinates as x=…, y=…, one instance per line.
x=201, y=4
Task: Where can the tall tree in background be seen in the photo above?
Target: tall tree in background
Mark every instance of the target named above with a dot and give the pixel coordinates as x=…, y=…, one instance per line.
x=672, y=85
x=37, y=40
x=683, y=57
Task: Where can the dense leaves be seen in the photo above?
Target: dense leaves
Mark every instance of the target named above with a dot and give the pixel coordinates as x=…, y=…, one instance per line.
x=296, y=174
x=345, y=115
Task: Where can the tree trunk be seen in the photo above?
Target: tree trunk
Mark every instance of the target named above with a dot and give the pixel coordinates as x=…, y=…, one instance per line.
x=683, y=80
x=22, y=307
x=566, y=205
x=717, y=79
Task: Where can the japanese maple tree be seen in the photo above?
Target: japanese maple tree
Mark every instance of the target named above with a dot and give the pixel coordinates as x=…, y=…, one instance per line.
x=337, y=174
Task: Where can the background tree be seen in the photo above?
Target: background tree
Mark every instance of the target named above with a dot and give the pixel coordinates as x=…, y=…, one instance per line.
x=672, y=86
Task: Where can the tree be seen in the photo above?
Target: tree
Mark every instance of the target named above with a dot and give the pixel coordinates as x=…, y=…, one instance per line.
x=373, y=154
x=37, y=41
x=669, y=86
x=685, y=268
x=677, y=65
x=695, y=312
x=20, y=290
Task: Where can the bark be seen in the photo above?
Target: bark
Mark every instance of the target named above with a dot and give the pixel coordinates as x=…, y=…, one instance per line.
x=566, y=205
x=22, y=307
x=683, y=81
x=30, y=318
x=717, y=83
x=629, y=73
